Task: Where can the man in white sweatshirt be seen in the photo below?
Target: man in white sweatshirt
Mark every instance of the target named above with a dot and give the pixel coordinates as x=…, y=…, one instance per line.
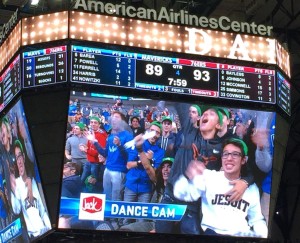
x=239, y=218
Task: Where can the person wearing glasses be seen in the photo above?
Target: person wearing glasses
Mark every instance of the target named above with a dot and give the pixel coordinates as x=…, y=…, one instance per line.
x=34, y=212
x=221, y=216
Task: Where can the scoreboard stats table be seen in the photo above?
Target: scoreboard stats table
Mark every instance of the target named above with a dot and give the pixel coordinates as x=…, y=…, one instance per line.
x=10, y=82
x=170, y=74
x=138, y=70
x=44, y=67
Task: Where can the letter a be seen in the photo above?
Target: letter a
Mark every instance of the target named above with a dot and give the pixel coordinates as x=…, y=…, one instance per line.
x=239, y=46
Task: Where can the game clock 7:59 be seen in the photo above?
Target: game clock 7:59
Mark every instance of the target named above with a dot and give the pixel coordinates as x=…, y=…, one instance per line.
x=176, y=75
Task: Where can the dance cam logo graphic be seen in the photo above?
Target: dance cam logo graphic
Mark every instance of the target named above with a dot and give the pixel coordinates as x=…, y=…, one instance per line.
x=91, y=206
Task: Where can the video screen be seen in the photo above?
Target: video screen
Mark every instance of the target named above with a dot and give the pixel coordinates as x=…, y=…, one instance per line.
x=158, y=166
x=23, y=211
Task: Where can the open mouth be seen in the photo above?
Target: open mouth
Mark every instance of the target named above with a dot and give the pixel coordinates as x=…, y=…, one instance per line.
x=204, y=120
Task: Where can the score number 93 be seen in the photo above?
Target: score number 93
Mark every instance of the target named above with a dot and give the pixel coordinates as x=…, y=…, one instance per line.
x=198, y=75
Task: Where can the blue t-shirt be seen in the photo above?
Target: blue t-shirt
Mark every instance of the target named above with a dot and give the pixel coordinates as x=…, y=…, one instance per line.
x=137, y=179
x=116, y=156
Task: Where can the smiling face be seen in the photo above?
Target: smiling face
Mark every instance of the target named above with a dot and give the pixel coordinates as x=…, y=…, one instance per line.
x=76, y=130
x=157, y=134
x=165, y=170
x=135, y=122
x=20, y=162
x=232, y=161
x=95, y=125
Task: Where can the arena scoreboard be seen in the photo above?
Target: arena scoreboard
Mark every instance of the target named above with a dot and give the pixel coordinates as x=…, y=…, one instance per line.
x=143, y=71
x=172, y=74
x=45, y=66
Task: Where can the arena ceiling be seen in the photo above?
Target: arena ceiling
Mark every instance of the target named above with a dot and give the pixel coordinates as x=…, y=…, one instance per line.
x=284, y=16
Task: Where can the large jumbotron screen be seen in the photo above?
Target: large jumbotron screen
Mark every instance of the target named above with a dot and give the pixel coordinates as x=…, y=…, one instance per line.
x=24, y=215
x=179, y=176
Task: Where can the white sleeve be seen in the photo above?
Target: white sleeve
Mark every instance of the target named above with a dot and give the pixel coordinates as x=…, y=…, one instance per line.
x=15, y=203
x=186, y=190
x=255, y=217
x=42, y=210
x=260, y=228
x=263, y=160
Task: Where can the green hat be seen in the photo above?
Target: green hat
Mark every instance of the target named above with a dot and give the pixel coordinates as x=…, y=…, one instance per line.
x=242, y=144
x=198, y=109
x=225, y=111
x=96, y=118
x=166, y=118
x=217, y=110
x=19, y=144
x=158, y=124
x=168, y=159
x=80, y=125
x=5, y=120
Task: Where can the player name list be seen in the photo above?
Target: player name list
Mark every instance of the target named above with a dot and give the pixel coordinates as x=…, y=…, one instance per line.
x=43, y=67
x=247, y=83
x=98, y=66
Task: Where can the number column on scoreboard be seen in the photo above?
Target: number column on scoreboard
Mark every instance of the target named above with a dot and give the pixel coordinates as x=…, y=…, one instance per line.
x=247, y=83
x=43, y=67
x=10, y=82
x=102, y=67
x=177, y=75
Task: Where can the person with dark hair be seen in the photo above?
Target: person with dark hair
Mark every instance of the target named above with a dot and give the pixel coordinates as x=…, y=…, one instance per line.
x=221, y=216
x=135, y=126
x=71, y=183
x=34, y=212
x=162, y=174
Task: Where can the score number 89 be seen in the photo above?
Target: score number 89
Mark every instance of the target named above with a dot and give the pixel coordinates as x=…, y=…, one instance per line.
x=157, y=70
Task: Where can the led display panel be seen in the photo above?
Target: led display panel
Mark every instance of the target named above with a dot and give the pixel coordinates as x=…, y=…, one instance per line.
x=24, y=215
x=284, y=93
x=45, y=66
x=10, y=82
x=134, y=164
x=170, y=74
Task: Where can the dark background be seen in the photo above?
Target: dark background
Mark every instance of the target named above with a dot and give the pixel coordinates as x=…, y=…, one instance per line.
x=46, y=110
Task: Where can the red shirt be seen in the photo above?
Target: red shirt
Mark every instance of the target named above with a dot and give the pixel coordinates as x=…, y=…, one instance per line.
x=92, y=153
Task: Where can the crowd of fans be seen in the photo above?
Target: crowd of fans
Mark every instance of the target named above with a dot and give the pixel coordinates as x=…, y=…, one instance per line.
x=21, y=198
x=98, y=160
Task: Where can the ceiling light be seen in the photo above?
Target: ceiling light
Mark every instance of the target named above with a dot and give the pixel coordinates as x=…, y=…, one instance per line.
x=35, y=2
